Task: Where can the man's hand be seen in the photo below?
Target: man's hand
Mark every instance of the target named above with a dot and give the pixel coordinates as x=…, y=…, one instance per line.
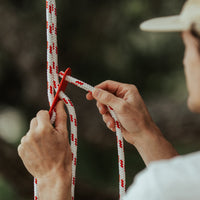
x=138, y=127
x=128, y=106
x=46, y=153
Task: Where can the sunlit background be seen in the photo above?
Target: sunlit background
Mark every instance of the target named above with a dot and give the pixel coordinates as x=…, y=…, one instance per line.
x=99, y=40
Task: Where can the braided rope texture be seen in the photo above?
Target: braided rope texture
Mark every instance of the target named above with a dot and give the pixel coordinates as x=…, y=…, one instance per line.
x=120, y=142
x=52, y=87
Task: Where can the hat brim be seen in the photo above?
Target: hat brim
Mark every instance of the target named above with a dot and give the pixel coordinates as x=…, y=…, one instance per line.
x=164, y=24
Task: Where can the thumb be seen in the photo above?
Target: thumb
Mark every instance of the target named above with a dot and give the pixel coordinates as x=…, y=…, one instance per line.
x=107, y=98
x=61, y=117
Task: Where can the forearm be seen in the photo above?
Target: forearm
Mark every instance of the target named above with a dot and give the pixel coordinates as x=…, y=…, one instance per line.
x=153, y=146
x=56, y=187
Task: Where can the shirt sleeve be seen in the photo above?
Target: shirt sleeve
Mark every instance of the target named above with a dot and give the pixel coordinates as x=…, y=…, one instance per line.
x=144, y=187
x=174, y=179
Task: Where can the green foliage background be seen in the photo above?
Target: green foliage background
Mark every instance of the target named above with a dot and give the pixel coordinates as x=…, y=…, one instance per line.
x=99, y=40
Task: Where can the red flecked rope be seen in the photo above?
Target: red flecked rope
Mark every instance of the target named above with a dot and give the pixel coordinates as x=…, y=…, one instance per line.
x=52, y=87
x=120, y=143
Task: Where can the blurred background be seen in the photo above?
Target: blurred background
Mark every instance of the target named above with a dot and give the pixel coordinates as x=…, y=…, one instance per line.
x=99, y=40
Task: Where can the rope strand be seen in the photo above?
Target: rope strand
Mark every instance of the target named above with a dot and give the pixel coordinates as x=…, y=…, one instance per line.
x=120, y=143
x=52, y=86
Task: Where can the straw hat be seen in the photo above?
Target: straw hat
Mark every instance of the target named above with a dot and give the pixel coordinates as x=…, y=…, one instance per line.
x=188, y=19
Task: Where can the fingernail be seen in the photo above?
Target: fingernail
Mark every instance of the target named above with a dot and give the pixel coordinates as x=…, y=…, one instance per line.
x=96, y=92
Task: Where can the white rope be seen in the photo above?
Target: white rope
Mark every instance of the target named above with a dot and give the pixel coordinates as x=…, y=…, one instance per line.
x=52, y=87
x=120, y=143
x=74, y=138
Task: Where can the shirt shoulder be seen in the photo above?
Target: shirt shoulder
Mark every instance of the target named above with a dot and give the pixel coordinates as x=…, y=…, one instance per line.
x=174, y=179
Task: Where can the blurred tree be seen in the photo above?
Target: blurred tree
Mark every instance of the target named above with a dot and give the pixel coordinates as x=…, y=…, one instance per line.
x=99, y=40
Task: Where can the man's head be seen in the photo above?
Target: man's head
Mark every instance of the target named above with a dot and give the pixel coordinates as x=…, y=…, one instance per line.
x=188, y=22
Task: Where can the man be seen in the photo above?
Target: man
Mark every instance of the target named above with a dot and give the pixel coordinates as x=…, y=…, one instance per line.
x=45, y=150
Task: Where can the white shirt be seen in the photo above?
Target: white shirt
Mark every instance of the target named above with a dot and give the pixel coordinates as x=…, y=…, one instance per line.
x=174, y=179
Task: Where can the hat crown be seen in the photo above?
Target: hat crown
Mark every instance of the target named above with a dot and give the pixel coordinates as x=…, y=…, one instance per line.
x=191, y=12
x=188, y=19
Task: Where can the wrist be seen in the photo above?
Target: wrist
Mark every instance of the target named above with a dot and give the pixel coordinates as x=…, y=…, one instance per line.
x=152, y=146
x=58, y=177
x=148, y=133
x=55, y=186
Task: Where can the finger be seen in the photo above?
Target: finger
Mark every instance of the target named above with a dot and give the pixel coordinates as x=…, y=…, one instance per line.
x=110, y=122
x=110, y=86
x=107, y=98
x=89, y=96
x=43, y=118
x=102, y=108
x=23, y=139
x=113, y=87
x=20, y=147
x=61, y=117
x=33, y=123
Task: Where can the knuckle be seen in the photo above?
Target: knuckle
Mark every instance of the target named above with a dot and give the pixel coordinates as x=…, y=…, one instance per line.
x=105, y=82
x=23, y=140
x=19, y=150
x=106, y=97
x=123, y=106
x=46, y=112
x=42, y=112
x=133, y=88
x=42, y=130
x=31, y=137
x=108, y=81
x=33, y=121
